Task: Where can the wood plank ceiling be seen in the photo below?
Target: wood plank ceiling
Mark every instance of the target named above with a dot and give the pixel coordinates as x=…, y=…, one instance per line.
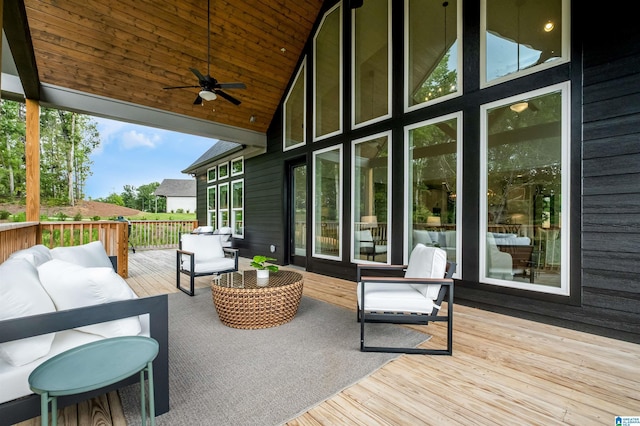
x=130, y=50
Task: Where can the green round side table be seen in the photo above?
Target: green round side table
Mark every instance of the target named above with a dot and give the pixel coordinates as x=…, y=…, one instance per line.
x=93, y=366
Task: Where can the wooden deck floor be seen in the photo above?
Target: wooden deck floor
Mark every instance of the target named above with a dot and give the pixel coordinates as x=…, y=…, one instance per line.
x=503, y=370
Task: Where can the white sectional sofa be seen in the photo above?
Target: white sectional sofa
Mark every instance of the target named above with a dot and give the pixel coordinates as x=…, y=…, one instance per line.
x=52, y=300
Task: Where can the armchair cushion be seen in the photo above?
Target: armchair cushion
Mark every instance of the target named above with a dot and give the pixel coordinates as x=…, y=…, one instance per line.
x=73, y=286
x=224, y=232
x=22, y=295
x=89, y=255
x=383, y=297
x=207, y=248
x=210, y=266
x=427, y=262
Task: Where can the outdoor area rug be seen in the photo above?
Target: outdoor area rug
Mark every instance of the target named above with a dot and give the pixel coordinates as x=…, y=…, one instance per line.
x=225, y=376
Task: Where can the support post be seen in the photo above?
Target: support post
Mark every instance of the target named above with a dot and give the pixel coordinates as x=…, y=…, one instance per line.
x=32, y=156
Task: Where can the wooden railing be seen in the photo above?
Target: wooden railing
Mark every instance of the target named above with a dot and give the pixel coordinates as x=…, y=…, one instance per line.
x=17, y=236
x=113, y=234
x=148, y=234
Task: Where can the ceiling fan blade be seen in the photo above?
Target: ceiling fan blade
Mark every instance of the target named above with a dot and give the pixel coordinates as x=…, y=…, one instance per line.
x=231, y=86
x=198, y=100
x=180, y=87
x=198, y=74
x=228, y=97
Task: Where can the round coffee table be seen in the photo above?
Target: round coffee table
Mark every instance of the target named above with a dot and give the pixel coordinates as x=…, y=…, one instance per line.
x=245, y=301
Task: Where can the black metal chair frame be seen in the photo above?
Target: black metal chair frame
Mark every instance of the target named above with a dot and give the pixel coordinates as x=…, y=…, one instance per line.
x=192, y=274
x=446, y=291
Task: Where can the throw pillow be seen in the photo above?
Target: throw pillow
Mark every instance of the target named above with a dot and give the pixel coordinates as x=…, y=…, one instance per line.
x=22, y=295
x=37, y=254
x=73, y=286
x=89, y=255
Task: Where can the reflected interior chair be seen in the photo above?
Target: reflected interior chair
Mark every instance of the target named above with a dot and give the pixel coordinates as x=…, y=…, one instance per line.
x=369, y=245
x=387, y=296
x=225, y=233
x=499, y=263
x=201, y=255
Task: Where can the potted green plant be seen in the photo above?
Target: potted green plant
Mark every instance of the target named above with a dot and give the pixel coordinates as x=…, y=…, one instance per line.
x=262, y=269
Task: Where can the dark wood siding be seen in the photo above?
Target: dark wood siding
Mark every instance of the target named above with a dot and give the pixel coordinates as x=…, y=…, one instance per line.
x=611, y=174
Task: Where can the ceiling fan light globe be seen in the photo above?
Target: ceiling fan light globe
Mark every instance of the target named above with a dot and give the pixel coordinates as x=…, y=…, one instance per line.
x=207, y=95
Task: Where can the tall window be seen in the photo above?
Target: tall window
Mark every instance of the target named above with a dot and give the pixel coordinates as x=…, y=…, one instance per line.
x=327, y=203
x=223, y=205
x=371, y=189
x=371, y=84
x=295, y=111
x=237, y=208
x=523, y=36
x=211, y=205
x=433, y=54
x=433, y=176
x=327, y=75
x=525, y=176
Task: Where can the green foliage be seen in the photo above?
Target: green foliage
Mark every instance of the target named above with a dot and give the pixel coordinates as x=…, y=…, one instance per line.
x=19, y=217
x=4, y=215
x=114, y=198
x=259, y=262
x=77, y=217
x=66, y=141
x=95, y=218
x=61, y=216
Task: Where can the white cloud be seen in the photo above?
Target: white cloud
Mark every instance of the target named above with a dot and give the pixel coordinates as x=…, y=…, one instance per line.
x=132, y=139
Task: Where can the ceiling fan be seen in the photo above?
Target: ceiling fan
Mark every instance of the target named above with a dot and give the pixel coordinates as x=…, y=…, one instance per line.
x=210, y=88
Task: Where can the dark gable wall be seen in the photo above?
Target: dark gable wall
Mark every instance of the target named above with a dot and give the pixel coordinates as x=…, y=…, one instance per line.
x=605, y=78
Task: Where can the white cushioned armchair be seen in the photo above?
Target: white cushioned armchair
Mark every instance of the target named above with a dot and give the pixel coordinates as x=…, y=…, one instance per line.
x=412, y=298
x=201, y=255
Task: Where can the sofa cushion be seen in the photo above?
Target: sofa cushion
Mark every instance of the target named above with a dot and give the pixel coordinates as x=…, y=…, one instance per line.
x=22, y=295
x=73, y=286
x=427, y=262
x=422, y=237
x=90, y=255
x=37, y=254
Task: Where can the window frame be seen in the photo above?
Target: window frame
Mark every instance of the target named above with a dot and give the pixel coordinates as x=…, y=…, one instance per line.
x=215, y=208
x=566, y=49
x=234, y=161
x=341, y=82
x=459, y=62
x=355, y=125
x=302, y=72
x=213, y=169
x=408, y=206
x=232, y=209
x=220, y=209
x=338, y=148
x=223, y=166
x=565, y=216
x=389, y=135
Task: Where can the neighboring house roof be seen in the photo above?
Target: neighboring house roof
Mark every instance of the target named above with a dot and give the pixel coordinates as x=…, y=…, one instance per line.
x=218, y=150
x=176, y=188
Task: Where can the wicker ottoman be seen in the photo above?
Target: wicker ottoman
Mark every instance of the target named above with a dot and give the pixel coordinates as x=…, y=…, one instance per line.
x=243, y=301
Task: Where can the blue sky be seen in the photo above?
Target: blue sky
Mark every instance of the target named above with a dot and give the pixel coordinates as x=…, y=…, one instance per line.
x=131, y=154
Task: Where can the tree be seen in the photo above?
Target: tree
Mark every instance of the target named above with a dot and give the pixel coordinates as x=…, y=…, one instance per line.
x=12, y=139
x=146, y=197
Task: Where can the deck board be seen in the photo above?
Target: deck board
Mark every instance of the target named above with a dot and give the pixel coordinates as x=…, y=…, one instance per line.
x=504, y=370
